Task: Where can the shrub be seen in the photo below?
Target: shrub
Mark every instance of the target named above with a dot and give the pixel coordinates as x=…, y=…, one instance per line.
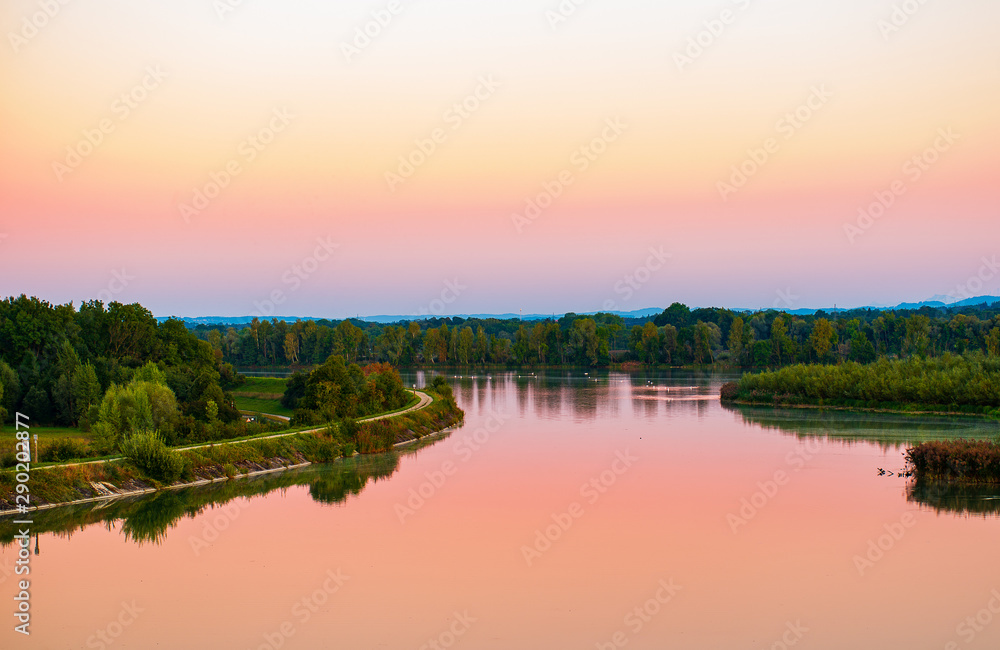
x=961, y=460
x=65, y=449
x=147, y=452
x=729, y=391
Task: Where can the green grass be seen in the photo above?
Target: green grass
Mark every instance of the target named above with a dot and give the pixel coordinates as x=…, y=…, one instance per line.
x=44, y=433
x=274, y=385
x=260, y=405
x=262, y=395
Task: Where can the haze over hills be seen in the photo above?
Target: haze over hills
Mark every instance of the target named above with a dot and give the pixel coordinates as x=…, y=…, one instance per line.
x=934, y=303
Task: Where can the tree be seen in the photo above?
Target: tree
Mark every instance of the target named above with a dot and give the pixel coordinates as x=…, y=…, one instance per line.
x=736, y=339
x=993, y=342
x=482, y=345
x=291, y=348
x=131, y=331
x=11, y=388
x=650, y=342
x=702, y=343
x=862, y=349
x=465, y=343
x=822, y=338
x=37, y=404
x=668, y=339
x=86, y=392
x=779, y=338
x=432, y=345
x=143, y=405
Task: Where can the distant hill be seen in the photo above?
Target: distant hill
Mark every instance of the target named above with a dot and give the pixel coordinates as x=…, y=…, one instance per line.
x=627, y=315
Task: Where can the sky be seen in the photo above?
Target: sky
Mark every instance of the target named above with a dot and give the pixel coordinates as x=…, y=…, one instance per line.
x=332, y=159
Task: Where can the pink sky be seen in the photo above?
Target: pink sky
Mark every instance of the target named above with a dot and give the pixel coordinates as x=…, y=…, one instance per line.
x=303, y=124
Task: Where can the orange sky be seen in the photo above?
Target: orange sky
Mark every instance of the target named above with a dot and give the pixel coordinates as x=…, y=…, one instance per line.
x=116, y=116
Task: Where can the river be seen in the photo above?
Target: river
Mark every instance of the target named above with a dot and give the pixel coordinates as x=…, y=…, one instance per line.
x=571, y=510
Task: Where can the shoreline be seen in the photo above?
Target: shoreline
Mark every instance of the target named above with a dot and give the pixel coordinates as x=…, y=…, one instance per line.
x=859, y=409
x=125, y=494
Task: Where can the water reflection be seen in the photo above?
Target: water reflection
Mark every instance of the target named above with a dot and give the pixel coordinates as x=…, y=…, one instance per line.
x=888, y=431
x=147, y=519
x=980, y=500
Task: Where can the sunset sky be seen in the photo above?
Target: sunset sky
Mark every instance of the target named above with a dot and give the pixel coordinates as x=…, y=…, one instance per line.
x=207, y=158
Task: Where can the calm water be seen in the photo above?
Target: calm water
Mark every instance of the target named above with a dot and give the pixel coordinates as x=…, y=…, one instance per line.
x=571, y=511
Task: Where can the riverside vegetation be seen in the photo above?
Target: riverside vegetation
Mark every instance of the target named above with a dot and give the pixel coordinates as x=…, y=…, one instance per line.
x=967, y=384
x=147, y=462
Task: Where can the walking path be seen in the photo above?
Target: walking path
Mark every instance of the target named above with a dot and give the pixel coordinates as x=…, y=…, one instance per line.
x=424, y=401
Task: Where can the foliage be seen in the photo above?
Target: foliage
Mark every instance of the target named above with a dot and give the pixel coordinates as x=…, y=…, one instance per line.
x=336, y=390
x=974, y=461
x=57, y=362
x=969, y=382
x=147, y=452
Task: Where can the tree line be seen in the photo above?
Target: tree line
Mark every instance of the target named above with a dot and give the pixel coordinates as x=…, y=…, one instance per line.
x=112, y=368
x=677, y=336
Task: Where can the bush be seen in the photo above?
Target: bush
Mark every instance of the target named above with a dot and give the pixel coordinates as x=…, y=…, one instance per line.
x=729, y=391
x=151, y=456
x=65, y=449
x=956, y=460
x=305, y=417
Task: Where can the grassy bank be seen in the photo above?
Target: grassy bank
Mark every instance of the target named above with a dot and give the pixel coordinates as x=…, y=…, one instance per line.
x=956, y=461
x=951, y=384
x=262, y=395
x=155, y=466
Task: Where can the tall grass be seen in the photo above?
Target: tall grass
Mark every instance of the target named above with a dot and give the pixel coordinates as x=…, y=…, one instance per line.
x=974, y=461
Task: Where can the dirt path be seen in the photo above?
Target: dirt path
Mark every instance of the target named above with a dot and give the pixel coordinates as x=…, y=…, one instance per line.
x=425, y=400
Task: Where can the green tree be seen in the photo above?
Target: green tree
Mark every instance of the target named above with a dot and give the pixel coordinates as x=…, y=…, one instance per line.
x=86, y=392
x=779, y=338
x=822, y=337
x=993, y=342
x=736, y=340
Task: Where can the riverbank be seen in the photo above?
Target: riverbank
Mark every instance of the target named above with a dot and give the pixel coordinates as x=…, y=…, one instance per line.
x=948, y=385
x=200, y=465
